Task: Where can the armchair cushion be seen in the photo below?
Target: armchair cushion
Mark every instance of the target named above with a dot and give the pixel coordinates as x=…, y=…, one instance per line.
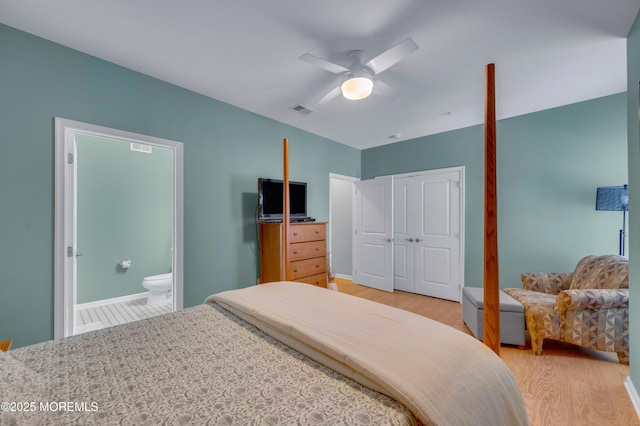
x=530, y=297
x=550, y=283
x=592, y=299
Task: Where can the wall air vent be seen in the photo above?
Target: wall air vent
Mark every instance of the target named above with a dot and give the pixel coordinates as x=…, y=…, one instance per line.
x=141, y=147
x=301, y=109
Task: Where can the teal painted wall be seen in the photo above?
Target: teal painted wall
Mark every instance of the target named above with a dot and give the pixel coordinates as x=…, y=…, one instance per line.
x=549, y=166
x=633, y=107
x=125, y=212
x=225, y=148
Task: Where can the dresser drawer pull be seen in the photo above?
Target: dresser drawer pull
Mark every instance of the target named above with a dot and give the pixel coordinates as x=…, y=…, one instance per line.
x=295, y=270
x=295, y=252
x=295, y=234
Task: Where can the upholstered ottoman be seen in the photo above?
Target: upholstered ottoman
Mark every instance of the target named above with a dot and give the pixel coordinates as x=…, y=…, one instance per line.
x=511, y=315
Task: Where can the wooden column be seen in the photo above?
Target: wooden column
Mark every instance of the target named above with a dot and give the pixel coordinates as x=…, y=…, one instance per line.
x=285, y=208
x=491, y=278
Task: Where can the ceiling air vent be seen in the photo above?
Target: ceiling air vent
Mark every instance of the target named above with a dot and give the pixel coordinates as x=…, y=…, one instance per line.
x=301, y=109
x=141, y=147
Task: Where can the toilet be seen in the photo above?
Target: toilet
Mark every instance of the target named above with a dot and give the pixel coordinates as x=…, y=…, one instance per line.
x=159, y=287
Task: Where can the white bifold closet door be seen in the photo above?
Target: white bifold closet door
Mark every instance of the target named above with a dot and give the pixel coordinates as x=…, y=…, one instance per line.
x=417, y=219
x=427, y=211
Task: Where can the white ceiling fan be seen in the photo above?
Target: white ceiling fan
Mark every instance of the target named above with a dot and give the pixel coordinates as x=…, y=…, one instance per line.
x=359, y=79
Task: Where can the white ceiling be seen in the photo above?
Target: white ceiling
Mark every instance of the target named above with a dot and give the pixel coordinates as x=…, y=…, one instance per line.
x=245, y=52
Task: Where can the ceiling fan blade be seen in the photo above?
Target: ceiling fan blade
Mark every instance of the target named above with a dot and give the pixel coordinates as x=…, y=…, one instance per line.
x=332, y=94
x=324, y=64
x=392, y=56
x=383, y=90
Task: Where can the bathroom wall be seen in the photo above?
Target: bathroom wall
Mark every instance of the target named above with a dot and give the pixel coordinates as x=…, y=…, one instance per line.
x=125, y=211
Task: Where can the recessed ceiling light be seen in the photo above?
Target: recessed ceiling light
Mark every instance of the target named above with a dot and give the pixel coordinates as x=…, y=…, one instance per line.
x=395, y=136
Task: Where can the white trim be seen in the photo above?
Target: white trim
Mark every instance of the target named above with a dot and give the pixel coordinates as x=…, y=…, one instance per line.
x=64, y=299
x=343, y=177
x=111, y=301
x=424, y=172
x=346, y=277
x=633, y=394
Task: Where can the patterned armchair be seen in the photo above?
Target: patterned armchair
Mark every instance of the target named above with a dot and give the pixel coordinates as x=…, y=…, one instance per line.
x=587, y=307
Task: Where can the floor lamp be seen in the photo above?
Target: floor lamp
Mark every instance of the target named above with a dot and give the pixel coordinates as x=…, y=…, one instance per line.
x=616, y=199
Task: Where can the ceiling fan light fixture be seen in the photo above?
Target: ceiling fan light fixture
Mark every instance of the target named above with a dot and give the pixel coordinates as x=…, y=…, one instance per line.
x=357, y=87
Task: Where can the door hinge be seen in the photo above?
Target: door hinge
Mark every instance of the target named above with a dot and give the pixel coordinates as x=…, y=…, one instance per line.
x=70, y=158
x=69, y=251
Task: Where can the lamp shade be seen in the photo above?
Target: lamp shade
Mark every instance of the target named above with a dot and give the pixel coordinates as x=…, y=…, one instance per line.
x=612, y=198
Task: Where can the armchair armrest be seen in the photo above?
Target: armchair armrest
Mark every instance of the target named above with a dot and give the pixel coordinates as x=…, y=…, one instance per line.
x=583, y=299
x=550, y=283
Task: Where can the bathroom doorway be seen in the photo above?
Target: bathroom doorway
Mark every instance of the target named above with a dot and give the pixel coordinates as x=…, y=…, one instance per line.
x=118, y=224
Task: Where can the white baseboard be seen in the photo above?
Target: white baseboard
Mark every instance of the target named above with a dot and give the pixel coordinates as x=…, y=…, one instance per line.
x=633, y=394
x=111, y=301
x=346, y=277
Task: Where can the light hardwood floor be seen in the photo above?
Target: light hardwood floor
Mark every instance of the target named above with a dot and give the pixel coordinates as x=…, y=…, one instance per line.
x=566, y=385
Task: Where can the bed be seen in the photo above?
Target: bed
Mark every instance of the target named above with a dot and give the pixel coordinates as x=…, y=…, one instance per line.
x=279, y=353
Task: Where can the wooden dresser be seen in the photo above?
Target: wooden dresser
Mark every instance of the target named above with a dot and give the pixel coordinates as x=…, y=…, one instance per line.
x=307, y=253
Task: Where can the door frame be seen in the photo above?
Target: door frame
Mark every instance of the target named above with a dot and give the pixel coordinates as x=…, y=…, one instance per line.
x=64, y=207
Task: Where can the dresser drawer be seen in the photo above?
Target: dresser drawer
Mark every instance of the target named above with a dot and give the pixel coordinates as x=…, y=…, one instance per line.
x=305, y=268
x=307, y=232
x=300, y=251
x=320, y=280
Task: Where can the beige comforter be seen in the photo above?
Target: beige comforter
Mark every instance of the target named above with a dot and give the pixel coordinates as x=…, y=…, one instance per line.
x=442, y=375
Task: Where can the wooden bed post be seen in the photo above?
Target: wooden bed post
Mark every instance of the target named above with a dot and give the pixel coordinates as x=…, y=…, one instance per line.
x=285, y=209
x=491, y=276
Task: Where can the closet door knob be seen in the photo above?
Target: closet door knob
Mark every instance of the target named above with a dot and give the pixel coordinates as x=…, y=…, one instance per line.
x=418, y=240
x=409, y=239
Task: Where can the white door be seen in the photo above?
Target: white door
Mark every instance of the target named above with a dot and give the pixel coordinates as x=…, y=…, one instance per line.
x=403, y=234
x=373, y=231
x=438, y=241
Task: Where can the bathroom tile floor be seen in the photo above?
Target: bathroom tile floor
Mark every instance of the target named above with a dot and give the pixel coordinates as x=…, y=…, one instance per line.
x=117, y=313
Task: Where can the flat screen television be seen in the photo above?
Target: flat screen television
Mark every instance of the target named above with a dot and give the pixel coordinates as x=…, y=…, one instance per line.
x=270, y=201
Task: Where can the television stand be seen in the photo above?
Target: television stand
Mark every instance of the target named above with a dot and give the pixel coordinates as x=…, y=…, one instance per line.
x=307, y=253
